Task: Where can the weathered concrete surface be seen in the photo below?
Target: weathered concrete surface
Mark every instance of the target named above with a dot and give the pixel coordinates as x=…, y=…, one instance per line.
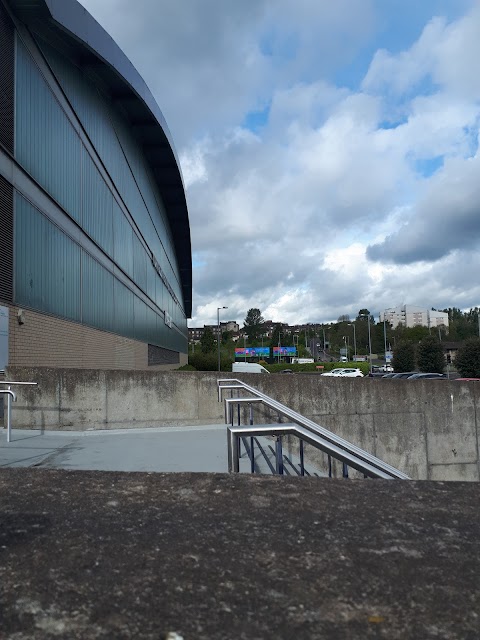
x=427, y=428
x=134, y=555
x=198, y=449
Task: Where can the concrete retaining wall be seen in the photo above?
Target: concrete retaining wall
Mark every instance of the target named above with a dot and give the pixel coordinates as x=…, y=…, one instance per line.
x=427, y=428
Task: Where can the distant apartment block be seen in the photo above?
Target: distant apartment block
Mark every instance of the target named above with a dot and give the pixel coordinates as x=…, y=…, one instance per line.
x=411, y=316
x=195, y=333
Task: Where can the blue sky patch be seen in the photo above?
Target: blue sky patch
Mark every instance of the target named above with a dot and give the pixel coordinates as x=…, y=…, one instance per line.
x=256, y=120
x=427, y=167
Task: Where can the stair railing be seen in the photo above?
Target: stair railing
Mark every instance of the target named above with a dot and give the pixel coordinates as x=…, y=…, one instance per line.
x=320, y=437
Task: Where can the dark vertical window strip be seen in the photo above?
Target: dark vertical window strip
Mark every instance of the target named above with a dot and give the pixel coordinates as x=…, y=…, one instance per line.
x=7, y=58
x=6, y=240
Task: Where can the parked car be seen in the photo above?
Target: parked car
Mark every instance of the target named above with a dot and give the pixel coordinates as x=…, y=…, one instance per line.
x=404, y=374
x=388, y=375
x=387, y=368
x=348, y=372
x=333, y=372
x=351, y=373
x=422, y=376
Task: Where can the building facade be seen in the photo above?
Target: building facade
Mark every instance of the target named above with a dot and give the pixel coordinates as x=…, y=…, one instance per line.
x=95, y=254
x=411, y=316
x=195, y=333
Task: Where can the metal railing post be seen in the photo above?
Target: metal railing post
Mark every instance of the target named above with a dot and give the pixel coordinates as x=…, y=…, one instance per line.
x=9, y=415
x=233, y=460
x=302, y=463
x=279, y=455
x=252, y=459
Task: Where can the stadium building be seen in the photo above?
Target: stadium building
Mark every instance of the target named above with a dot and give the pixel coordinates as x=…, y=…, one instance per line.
x=95, y=254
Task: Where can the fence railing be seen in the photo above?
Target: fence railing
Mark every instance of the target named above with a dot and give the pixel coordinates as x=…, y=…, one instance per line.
x=305, y=429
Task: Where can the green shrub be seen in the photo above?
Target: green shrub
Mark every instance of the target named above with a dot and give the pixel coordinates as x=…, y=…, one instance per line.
x=467, y=361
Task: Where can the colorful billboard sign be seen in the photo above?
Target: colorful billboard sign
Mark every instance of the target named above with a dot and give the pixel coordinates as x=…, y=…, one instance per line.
x=252, y=352
x=284, y=351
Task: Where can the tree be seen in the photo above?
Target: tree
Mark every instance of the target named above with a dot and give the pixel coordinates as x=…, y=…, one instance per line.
x=253, y=323
x=363, y=314
x=430, y=355
x=404, y=357
x=467, y=361
x=207, y=340
x=344, y=318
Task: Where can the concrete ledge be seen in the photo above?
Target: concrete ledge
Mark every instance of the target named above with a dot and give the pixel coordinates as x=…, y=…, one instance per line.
x=135, y=555
x=421, y=427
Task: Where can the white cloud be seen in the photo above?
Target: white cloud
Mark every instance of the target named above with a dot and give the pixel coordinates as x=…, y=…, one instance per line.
x=341, y=197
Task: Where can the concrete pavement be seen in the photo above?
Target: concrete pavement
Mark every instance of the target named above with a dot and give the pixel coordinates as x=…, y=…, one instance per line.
x=197, y=449
x=160, y=449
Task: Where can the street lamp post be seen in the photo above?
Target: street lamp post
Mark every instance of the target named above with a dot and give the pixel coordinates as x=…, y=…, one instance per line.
x=295, y=344
x=218, y=334
x=245, y=347
x=369, y=339
x=385, y=336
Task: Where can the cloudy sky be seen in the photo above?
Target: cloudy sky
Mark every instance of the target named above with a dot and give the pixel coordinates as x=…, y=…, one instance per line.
x=329, y=149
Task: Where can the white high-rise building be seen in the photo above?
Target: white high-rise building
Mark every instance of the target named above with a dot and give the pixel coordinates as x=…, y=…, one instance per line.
x=411, y=316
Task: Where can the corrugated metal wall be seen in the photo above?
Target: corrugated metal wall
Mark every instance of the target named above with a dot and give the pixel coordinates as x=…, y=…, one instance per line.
x=54, y=273
x=46, y=144
x=7, y=59
x=6, y=241
x=6, y=140
x=47, y=274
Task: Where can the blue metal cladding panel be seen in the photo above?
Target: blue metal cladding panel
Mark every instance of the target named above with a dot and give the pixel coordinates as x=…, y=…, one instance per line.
x=46, y=144
x=140, y=320
x=47, y=264
x=122, y=240
x=97, y=205
x=123, y=309
x=91, y=110
x=152, y=335
x=143, y=185
x=152, y=277
x=97, y=294
x=54, y=274
x=139, y=264
x=160, y=293
x=123, y=160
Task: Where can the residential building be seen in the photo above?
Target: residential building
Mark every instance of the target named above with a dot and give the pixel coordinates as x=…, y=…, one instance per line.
x=412, y=316
x=195, y=333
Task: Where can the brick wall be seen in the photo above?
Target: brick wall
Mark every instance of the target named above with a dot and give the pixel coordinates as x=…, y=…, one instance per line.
x=45, y=341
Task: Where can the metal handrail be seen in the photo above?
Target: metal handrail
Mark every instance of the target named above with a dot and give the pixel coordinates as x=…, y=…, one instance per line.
x=10, y=395
x=333, y=440
x=234, y=433
x=10, y=383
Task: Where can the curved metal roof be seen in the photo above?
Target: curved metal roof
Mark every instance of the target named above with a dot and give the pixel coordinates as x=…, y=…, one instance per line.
x=69, y=26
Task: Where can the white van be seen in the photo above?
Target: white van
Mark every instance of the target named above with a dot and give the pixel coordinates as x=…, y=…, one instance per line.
x=302, y=360
x=248, y=367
